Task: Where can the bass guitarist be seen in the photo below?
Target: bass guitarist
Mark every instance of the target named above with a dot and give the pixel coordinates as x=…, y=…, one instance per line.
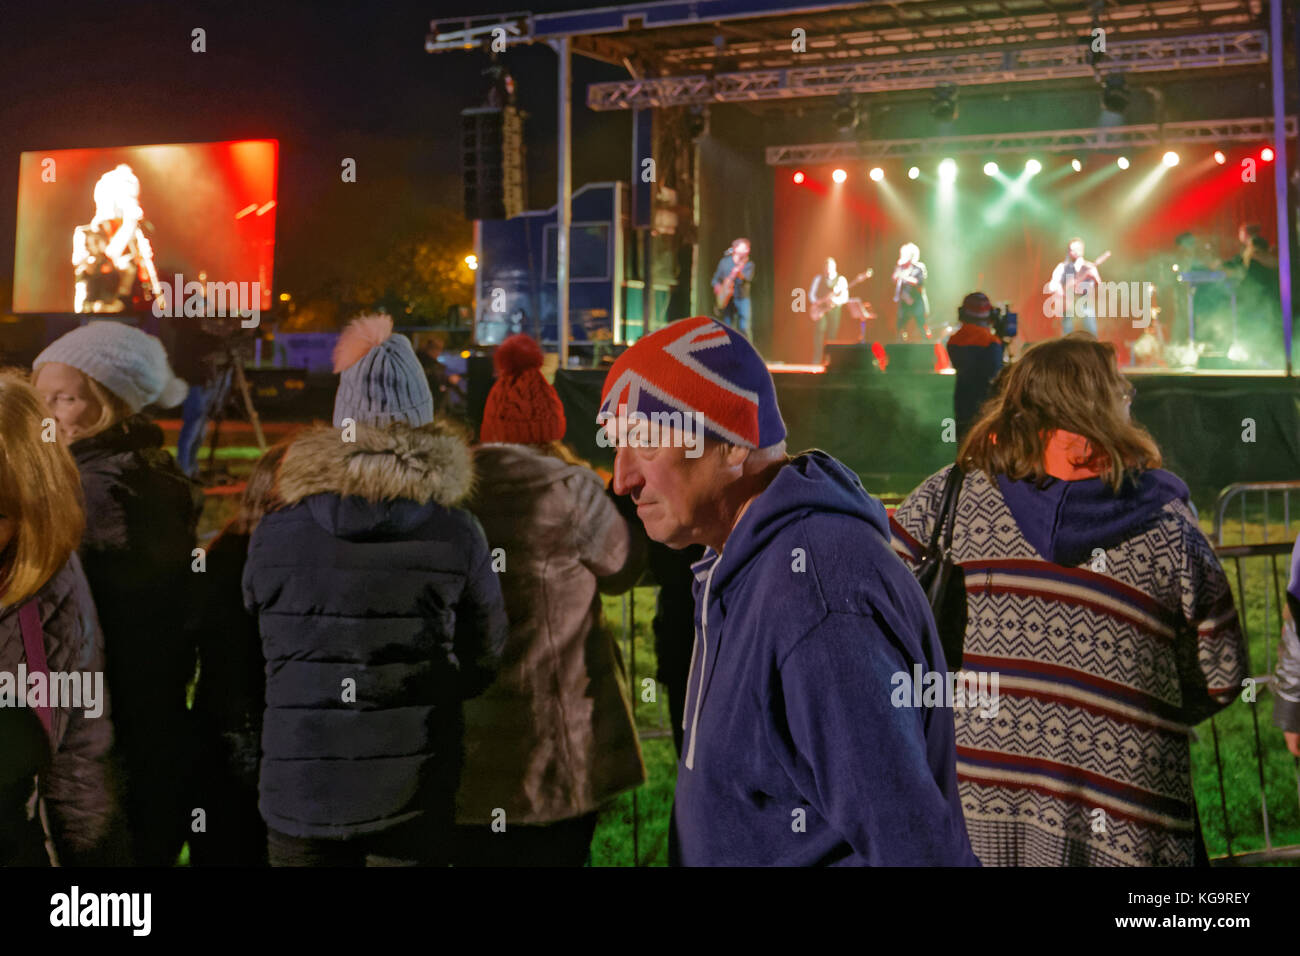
x=827, y=295
x=731, y=287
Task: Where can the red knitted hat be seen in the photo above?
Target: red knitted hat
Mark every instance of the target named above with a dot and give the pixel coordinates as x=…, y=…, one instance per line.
x=522, y=407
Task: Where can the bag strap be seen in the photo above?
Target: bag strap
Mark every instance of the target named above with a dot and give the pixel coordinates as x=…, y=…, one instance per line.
x=29, y=622
x=947, y=516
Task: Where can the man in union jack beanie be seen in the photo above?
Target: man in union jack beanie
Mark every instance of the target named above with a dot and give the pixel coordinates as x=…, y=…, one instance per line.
x=794, y=752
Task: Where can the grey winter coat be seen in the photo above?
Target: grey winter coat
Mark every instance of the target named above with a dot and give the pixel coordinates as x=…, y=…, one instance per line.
x=78, y=792
x=553, y=737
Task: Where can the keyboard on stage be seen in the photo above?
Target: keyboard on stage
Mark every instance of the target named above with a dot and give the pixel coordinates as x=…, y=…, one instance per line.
x=1201, y=276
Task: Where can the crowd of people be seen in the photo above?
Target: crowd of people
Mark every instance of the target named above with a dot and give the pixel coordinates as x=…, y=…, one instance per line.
x=396, y=654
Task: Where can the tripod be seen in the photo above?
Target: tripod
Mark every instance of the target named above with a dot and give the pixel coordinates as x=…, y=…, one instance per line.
x=234, y=366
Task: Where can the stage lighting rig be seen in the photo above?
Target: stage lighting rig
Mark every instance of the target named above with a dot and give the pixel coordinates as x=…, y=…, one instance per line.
x=697, y=122
x=845, y=117
x=1114, y=93
x=943, y=102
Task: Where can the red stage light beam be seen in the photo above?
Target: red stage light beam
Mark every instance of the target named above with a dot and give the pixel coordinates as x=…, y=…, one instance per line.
x=798, y=178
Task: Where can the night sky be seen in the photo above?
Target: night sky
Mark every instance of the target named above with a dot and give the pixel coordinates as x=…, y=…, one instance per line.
x=328, y=80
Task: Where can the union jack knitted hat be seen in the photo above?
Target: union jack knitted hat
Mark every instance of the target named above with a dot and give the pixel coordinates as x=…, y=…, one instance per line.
x=697, y=365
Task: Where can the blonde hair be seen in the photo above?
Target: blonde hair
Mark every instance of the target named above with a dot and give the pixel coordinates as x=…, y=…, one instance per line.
x=40, y=490
x=1072, y=383
x=260, y=495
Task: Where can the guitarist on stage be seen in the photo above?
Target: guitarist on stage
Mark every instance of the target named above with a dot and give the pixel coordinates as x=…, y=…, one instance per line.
x=909, y=290
x=829, y=292
x=731, y=287
x=1078, y=281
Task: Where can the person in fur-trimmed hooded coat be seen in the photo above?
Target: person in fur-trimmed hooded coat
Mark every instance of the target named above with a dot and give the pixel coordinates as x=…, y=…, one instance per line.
x=379, y=613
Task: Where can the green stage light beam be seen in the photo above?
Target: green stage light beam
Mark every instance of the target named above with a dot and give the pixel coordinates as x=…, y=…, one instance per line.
x=1080, y=184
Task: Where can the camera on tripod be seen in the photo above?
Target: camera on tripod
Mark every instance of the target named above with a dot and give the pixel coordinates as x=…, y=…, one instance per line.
x=1003, y=321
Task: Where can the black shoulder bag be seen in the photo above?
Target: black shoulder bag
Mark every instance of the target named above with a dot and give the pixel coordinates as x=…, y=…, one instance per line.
x=943, y=581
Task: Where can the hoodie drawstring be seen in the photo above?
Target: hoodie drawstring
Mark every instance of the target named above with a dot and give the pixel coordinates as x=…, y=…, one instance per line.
x=699, y=692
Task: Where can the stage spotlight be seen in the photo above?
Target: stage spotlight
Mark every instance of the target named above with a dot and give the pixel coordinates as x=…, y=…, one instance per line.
x=877, y=174
x=1122, y=162
x=845, y=116
x=914, y=173
x=839, y=175
x=471, y=262
x=990, y=168
x=1033, y=167
x=1076, y=165
x=1219, y=157
x=798, y=178
x=948, y=170
x=1266, y=154
x=1170, y=158
x=943, y=102
x=1114, y=93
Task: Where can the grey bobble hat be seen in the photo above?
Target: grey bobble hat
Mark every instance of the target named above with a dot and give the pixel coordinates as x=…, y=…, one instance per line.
x=129, y=363
x=381, y=379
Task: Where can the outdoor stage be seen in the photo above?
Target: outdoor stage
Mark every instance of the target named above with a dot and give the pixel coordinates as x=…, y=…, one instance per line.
x=889, y=426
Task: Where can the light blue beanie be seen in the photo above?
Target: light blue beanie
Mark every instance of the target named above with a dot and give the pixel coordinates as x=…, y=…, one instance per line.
x=382, y=380
x=129, y=363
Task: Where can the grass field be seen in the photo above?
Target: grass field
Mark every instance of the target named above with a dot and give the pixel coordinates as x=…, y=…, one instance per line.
x=634, y=827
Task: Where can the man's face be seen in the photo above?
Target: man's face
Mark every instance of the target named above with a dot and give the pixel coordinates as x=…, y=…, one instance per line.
x=830, y=267
x=678, y=498
x=1076, y=250
x=741, y=249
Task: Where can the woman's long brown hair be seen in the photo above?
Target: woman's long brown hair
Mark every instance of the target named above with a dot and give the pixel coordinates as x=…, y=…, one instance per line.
x=1072, y=383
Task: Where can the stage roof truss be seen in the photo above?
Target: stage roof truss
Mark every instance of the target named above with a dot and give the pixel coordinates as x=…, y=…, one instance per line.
x=980, y=67
x=1252, y=130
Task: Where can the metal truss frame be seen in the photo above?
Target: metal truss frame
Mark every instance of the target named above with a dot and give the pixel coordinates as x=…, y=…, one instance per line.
x=1023, y=65
x=1252, y=130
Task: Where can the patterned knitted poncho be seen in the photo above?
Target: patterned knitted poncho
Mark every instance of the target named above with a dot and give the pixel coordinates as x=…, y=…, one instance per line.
x=1103, y=662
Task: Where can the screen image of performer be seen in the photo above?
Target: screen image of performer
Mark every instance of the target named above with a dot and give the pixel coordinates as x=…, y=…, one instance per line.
x=112, y=249
x=909, y=291
x=1078, y=281
x=731, y=281
x=829, y=292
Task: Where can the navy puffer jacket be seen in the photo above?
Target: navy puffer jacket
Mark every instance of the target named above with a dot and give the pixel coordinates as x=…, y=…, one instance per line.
x=379, y=613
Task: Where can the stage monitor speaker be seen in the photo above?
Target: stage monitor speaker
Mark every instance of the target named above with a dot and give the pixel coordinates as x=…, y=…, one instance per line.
x=911, y=357
x=849, y=359
x=492, y=162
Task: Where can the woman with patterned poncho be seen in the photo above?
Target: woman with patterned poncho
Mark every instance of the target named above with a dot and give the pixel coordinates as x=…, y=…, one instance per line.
x=1099, y=607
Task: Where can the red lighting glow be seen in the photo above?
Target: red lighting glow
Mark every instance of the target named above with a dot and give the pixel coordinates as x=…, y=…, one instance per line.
x=798, y=178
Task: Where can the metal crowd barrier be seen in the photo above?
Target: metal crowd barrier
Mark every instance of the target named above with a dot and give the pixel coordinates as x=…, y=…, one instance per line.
x=1257, y=503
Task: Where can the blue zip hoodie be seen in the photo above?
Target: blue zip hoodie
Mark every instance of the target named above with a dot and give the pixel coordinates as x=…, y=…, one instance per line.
x=794, y=753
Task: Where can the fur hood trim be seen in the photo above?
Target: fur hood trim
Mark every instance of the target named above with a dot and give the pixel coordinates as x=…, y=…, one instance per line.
x=427, y=464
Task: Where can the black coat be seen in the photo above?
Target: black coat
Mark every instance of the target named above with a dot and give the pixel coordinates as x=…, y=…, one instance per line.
x=229, y=699
x=379, y=613
x=141, y=514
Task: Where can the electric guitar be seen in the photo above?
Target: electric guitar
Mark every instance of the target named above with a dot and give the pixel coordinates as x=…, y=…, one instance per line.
x=1081, y=300
x=824, y=304
x=724, y=290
